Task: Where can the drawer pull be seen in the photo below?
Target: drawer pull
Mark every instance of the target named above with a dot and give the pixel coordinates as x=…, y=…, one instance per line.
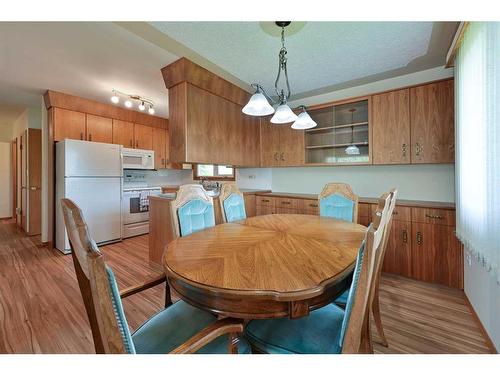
x=419, y=238
x=313, y=205
x=433, y=216
x=265, y=200
x=395, y=212
x=285, y=202
x=405, y=236
x=81, y=136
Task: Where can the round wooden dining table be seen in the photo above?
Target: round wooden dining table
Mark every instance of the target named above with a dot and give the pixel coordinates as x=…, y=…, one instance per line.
x=281, y=265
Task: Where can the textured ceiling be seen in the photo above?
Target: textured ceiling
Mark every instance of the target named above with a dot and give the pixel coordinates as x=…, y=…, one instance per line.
x=320, y=54
x=86, y=59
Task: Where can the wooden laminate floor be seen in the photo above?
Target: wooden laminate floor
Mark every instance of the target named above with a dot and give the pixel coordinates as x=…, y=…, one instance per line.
x=41, y=310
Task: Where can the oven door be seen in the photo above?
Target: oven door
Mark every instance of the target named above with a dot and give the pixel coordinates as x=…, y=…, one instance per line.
x=132, y=208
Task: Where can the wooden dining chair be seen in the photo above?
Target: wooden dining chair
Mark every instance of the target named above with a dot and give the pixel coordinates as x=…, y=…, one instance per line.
x=180, y=328
x=330, y=329
x=375, y=305
x=192, y=210
x=232, y=203
x=337, y=200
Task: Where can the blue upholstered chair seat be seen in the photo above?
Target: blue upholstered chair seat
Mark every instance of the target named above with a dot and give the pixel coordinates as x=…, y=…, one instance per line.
x=173, y=326
x=317, y=333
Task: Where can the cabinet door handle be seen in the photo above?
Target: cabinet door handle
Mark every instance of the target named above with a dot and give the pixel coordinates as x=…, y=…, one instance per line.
x=265, y=200
x=282, y=156
x=403, y=149
x=131, y=143
x=405, y=236
x=276, y=156
x=162, y=161
x=285, y=202
x=418, y=149
x=81, y=136
x=136, y=144
x=395, y=212
x=90, y=137
x=419, y=238
x=433, y=216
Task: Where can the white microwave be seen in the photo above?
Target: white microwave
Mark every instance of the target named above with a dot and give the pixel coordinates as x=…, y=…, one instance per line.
x=138, y=159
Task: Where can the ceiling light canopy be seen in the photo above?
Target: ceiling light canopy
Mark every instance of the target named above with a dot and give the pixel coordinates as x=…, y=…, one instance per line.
x=261, y=104
x=143, y=103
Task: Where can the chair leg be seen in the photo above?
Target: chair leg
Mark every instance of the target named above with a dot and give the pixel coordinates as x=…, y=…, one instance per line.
x=366, y=346
x=233, y=343
x=377, y=319
x=168, y=297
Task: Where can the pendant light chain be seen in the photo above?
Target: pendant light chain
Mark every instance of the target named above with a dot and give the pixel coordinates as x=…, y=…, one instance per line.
x=282, y=60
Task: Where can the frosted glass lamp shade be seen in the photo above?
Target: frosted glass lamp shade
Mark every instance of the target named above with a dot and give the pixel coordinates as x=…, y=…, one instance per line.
x=258, y=106
x=352, y=150
x=283, y=115
x=304, y=121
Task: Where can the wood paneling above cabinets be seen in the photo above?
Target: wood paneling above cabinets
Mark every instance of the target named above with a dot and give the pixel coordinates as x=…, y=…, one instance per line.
x=391, y=127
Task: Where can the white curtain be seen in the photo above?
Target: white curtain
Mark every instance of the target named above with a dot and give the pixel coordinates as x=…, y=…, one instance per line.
x=477, y=106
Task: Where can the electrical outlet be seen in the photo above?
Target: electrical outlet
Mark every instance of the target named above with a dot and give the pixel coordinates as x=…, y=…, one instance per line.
x=251, y=177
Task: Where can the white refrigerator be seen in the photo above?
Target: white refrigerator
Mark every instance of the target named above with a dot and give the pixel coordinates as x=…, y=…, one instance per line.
x=90, y=174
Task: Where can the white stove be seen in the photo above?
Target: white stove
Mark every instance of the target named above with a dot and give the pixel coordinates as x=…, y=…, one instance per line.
x=135, y=207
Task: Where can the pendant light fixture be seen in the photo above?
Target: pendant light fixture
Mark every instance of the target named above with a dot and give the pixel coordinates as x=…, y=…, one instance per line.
x=261, y=104
x=352, y=149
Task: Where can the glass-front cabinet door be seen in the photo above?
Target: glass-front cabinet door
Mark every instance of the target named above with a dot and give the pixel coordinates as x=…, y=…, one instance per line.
x=342, y=134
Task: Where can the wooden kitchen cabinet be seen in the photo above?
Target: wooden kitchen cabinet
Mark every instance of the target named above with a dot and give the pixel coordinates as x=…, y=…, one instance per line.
x=432, y=123
x=159, y=147
x=99, y=129
x=436, y=255
x=391, y=127
x=68, y=124
x=143, y=137
x=281, y=146
x=123, y=133
x=398, y=253
x=250, y=205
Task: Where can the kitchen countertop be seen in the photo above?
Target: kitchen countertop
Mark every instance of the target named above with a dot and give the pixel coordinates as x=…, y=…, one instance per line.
x=400, y=202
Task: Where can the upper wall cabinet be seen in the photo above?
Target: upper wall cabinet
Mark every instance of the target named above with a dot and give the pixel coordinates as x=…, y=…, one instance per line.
x=432, y=123
x=143, y=137
x=69, y=124
x=342, y=135
x=99, y=129
x=391, y=127
x=281, y=146
x=206, y=123
x=123, y=133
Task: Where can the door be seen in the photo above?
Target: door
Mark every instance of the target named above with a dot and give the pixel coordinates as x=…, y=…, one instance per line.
x=123, y=133
x=99, y=129
x=398, y=254
x=68, y=124
x=92, y=159
x=159, y=147
x=391, y=127
x=291, y=142
x=34, y=181
x=269, y=143
x=24, y=198
x=432, y=123
x=436, y=255
x=100, y=202
x=143, y=136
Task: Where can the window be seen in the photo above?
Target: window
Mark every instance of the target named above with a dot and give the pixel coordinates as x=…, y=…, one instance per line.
x=477, y=95
x=213, y=172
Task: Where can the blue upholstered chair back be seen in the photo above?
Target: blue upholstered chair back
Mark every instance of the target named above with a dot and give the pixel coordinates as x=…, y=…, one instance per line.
x=234, y=208
x=352, y=293
x=195, y=215
x=337, y=206
x=121, y=320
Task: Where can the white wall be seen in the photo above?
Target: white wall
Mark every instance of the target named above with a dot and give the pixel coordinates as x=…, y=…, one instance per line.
x=419, y=182
x=254, y=178
x=5, y=178
x=5, y=132
x=483, y=293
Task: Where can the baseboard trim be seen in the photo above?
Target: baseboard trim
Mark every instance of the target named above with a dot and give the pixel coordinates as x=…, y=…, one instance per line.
x=487, y=338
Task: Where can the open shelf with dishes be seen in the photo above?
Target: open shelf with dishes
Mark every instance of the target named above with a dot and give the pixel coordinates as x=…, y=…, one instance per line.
x=342, y=135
